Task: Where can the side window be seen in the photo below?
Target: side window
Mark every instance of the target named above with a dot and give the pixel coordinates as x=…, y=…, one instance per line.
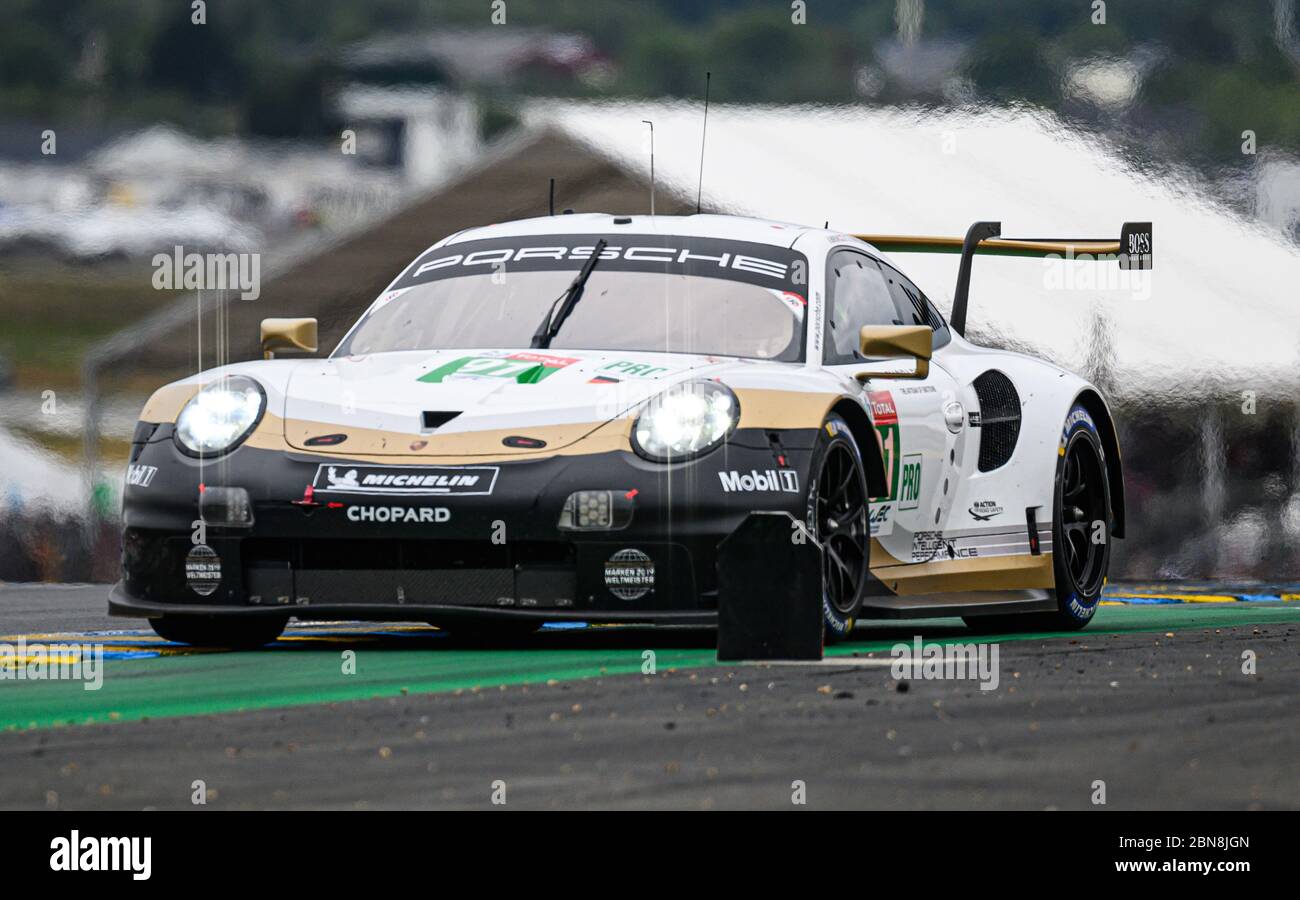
x=918, y=310
x=858, y=295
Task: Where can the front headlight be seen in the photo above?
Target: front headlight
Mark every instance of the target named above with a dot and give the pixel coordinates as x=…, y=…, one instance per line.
x=684, y=421
x=220, y=416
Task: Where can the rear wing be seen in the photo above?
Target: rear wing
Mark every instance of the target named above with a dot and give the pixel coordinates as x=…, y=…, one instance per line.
x=1132, y=250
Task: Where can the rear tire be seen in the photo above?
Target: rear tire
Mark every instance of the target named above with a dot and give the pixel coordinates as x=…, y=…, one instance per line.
x=218, y=631
x=1081, y=526
x=837, y=516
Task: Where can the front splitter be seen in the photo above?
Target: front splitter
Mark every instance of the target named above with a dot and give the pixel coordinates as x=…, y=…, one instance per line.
x=120, y=603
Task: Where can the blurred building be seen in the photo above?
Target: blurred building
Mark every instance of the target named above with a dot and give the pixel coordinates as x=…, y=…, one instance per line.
x=477, y=57
x=142, y=192
x=415, y=98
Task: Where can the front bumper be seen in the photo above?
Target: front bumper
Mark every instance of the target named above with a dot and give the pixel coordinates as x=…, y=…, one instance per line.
x=438, y=557
x=120, y=603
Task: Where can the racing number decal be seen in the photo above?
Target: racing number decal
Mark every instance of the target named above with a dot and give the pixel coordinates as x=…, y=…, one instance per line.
x=491, y=368
x=885, y=416
x=523, y=368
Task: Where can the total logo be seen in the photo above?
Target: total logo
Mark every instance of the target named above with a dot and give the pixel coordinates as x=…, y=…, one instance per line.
x=883, y=409
x=786, y=480
x=399, y=514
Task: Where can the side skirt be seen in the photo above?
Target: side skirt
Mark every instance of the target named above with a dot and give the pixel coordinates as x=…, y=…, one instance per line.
x=989, y=585
x=964, y=603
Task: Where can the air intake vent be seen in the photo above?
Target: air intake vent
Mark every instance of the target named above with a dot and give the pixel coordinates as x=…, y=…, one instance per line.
x=433, y=418
x=999, y=419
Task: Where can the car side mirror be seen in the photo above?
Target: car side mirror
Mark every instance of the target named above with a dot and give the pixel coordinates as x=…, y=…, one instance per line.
x=288, y=334
x=896, y=342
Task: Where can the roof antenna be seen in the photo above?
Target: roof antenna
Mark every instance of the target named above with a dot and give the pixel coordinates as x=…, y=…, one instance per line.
x=703, y=134
x=652, y=164
x=552, y=196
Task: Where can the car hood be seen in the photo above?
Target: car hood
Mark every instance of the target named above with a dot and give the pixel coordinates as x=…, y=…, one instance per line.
x=473, y=402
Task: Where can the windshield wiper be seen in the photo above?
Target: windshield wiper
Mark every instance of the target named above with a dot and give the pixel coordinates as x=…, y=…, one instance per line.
x=554, y=320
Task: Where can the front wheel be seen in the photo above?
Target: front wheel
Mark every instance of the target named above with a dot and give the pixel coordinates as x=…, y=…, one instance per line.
x=837, y=517
x=1081, y=524
x=216, y=631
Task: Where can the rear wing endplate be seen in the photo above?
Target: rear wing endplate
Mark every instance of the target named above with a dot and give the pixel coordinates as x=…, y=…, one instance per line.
x=1132, y=250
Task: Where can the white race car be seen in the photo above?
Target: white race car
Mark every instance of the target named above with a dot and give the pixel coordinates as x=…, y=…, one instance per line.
x=562, y=418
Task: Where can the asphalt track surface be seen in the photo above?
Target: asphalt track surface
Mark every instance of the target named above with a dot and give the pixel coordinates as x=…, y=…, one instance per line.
x=1151, y=699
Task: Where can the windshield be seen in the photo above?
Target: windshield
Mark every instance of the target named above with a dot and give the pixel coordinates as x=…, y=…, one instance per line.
x=649, y=293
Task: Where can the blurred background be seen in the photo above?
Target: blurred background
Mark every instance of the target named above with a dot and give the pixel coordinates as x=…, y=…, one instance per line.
x=336, y=140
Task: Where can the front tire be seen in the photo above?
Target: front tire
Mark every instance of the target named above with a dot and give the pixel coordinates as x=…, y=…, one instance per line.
x=837, y=516
x=216, y=631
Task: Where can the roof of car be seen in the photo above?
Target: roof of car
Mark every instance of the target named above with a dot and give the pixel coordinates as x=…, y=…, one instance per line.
x=741, y=228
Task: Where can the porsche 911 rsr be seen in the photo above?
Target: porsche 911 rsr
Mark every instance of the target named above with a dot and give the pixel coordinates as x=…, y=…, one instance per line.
x=562, y=418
